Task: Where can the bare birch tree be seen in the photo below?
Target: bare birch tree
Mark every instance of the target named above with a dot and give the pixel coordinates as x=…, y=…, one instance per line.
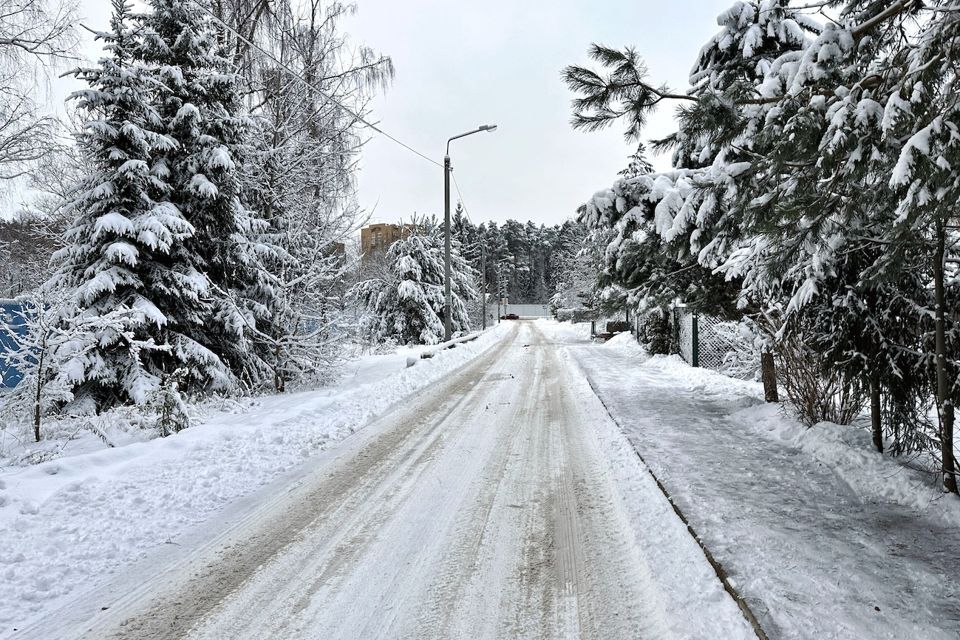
x=36, y=36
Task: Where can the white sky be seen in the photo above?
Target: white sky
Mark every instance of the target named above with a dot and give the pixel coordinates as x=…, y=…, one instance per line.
x=462, y=64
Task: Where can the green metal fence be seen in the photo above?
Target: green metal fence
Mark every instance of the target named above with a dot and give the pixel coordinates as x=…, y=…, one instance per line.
x=713, y=343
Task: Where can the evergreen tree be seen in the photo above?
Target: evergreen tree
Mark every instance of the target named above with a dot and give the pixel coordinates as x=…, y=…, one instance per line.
x=814, y=175
x=466, y=234
x=574, y=263
x=126, y=249
x=199, y=105
x=407, y=303
x=639, y=165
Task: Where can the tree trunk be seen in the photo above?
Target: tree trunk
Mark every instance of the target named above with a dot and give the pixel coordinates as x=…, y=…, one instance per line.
x=39, y=392
x=279, y=383
x=768, y=373
x=875, y=420
x=944, y=400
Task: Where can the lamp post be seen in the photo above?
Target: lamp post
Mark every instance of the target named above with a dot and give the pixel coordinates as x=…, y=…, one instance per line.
x=483, y=287
x=448, y=302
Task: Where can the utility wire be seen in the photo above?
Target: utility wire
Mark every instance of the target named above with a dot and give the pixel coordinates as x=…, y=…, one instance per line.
x=322, y=93
x=460, y=195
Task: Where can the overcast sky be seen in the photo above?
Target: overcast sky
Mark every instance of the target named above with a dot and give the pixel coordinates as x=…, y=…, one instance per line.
x=461, y=64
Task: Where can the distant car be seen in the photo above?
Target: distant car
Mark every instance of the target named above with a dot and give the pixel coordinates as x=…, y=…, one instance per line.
x=510, y=316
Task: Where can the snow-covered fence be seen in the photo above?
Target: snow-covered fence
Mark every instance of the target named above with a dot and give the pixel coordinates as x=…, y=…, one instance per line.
x=713, y=343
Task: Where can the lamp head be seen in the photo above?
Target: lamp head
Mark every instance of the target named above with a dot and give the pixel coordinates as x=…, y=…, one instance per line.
x=488, y=127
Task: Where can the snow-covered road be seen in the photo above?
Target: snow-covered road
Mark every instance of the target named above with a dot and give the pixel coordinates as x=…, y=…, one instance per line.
x=501, y=503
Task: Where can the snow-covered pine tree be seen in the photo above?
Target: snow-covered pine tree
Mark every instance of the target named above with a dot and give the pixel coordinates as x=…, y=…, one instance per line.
x=829, y=106
x=125, y=250
x=815, y=249
x=407, y=303
x=856, y=280
x=668, y=233
x=518, y=259
x=573, y=261
x=466, y=234
x=688, y=209
x=499, y=262
x=922, y=117
x=198, y=101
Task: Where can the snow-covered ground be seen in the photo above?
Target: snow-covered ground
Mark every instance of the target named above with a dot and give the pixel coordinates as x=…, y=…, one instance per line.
x=500, y=502
x=69, y=523
x=825, y=537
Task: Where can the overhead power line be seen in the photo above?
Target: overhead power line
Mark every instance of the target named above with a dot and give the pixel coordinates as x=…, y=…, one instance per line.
x=320, y=92
x=460, y=195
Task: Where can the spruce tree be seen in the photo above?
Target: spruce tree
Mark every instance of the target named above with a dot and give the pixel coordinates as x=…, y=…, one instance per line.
x=125, y=250
x=198, y=101
x=407, y=303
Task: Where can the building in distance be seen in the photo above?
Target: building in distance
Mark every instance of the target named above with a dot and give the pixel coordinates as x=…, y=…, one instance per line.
x=376, y=239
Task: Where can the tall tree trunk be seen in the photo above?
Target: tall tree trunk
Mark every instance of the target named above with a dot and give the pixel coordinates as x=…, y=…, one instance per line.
x=876, y=422
x=768, y=373
x=944, y=399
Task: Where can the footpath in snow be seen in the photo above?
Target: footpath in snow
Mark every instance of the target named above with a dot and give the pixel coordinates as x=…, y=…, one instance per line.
x=68, y=525
x=824, y=537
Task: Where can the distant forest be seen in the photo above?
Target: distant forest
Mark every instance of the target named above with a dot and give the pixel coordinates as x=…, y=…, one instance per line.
x=522, y=259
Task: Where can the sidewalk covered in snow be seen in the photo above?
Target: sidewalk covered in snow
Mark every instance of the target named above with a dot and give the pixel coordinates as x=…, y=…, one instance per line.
x=824, y=537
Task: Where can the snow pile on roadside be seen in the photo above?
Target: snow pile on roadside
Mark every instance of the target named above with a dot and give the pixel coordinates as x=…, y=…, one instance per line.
x=628, y=343
x=848, y=451
x=70, y=522
x=706, y=381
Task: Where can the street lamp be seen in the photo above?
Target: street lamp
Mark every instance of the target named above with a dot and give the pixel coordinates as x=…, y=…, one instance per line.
x=448, y=302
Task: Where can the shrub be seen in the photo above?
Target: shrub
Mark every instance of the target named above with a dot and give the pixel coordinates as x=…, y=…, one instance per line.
x=818, y=393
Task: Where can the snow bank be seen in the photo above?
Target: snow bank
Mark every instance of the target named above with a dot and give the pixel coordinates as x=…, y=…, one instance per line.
x=67, y=524
x=848, y=451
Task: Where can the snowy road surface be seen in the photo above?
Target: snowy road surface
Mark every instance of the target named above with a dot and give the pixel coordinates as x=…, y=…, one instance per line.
x=501, y=503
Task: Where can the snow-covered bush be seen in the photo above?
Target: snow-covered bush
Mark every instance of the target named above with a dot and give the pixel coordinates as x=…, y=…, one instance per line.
x=56, y=349
x=171, y=410
x=742, y=359
x=656, y=332
x=816, y=391
x=31, y=338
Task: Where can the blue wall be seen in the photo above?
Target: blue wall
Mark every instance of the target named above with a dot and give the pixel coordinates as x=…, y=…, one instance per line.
x=13, y=318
